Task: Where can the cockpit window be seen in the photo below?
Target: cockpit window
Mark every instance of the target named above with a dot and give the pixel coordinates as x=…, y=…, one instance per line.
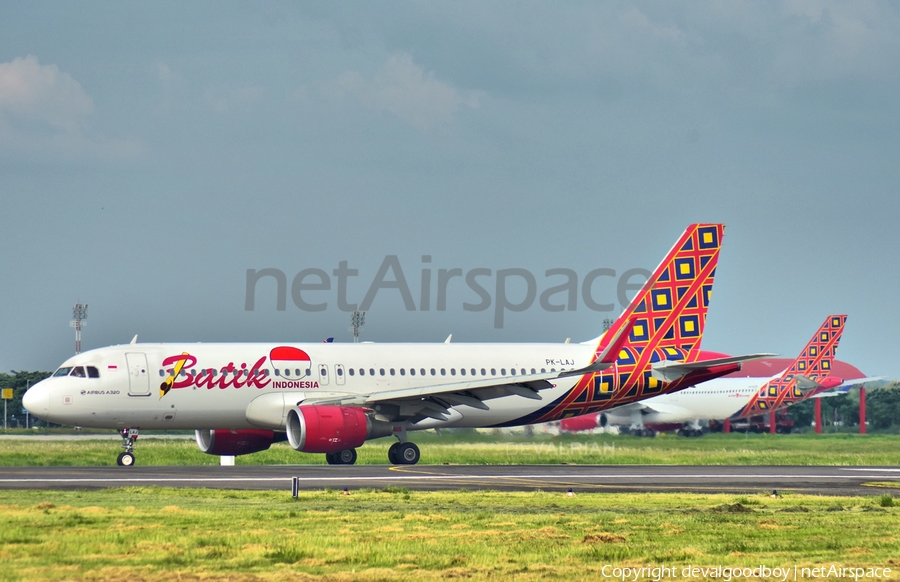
x=78, y=372
x=93, y=372
x=63, y=371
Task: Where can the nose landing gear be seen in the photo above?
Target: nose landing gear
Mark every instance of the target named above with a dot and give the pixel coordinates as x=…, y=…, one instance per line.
x=129, y=435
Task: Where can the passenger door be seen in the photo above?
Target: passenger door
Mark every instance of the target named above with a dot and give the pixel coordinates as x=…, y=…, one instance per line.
x=138, y=375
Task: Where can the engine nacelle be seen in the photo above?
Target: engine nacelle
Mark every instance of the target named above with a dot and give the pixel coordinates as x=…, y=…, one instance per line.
x=613, y=419
x=580, y=423
x=329, y=429
x=235, y=442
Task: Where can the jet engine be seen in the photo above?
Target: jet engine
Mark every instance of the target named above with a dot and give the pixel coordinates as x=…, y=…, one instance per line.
x=607, y=419
x=329, y=429
x=236, y=442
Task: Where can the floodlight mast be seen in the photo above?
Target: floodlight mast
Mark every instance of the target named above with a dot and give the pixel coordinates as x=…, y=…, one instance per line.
x=358, y=319
x=79, y=314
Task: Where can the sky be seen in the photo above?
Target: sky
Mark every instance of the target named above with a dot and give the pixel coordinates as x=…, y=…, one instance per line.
x=151, y=154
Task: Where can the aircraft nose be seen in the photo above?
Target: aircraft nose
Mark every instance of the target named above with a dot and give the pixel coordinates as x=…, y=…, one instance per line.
x=37, y=399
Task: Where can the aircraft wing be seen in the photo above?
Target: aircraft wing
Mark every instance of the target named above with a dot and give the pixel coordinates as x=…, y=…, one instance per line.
x=669, y=371
x=435, y=401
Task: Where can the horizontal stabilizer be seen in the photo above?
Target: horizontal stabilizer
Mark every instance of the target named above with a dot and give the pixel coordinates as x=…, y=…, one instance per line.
x=845, y=387
x=670, y=371
x=860, y=382
x=807, y=385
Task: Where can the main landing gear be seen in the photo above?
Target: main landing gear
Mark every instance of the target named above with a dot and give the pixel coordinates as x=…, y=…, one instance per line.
x=126, y=459
x=345, y=457
x=403, y=454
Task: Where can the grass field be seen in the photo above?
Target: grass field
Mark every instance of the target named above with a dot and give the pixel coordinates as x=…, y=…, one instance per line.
x=178, y=534
x=476, y=448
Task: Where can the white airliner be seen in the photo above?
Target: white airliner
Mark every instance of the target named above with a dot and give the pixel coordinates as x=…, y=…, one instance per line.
x=734, y=398
x=331, y=397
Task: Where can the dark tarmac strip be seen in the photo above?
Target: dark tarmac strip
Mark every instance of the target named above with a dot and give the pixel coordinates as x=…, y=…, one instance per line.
x=584, y=478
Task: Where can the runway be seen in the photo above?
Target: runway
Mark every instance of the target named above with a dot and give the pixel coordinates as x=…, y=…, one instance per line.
x=583, y=478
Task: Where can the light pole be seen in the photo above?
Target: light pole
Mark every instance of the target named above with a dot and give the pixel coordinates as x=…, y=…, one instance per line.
x=79, y=314
x=358, y=319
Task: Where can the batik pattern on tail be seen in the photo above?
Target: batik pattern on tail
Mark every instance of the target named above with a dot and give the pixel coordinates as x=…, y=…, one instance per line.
x=815, y=362
x=669, y=316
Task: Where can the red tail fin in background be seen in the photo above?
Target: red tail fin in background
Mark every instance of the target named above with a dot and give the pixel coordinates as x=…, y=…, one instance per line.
x=814, y=363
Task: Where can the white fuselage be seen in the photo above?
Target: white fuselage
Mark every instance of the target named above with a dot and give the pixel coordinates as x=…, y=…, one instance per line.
x=126, y=391
x=719, y=398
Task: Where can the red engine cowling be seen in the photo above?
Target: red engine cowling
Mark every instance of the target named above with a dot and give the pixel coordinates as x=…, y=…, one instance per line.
x=580, y=423
x=329, y=429
x=235, y=442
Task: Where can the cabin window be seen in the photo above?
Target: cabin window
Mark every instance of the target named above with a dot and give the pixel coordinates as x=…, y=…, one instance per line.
x=340, y=371
x=493, y=371
x=453, y=371
x=483, y=372
x=503, y=371
x=543, y=370
x=162, y=373
x=402, y=372
x=443, y=372
x=362, y=371
x=371, y=371
x=392, y=371
x=432, y=372
x=382, y=371
x=422, y=371
x=351, y=371
x=412, y=371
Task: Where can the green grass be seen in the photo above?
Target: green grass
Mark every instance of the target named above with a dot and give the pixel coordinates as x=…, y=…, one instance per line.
x=184, y=534
x=469, y=447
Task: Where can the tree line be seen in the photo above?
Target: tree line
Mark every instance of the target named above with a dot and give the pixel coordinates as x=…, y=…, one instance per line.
x=882, y=409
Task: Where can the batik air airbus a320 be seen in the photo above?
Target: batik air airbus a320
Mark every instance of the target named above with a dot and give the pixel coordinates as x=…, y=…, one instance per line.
x=330, y=398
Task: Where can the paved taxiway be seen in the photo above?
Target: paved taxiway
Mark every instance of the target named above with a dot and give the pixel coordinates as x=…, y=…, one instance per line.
x=611, y=478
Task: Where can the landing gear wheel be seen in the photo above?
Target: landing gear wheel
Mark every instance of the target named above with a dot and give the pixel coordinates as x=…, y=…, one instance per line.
x=408, y=454
x=393, y=459
x=345, y=457
x=129, y=436
x=125, y=460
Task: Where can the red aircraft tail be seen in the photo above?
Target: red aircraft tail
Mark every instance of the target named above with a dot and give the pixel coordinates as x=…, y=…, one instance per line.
x=805, y=376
